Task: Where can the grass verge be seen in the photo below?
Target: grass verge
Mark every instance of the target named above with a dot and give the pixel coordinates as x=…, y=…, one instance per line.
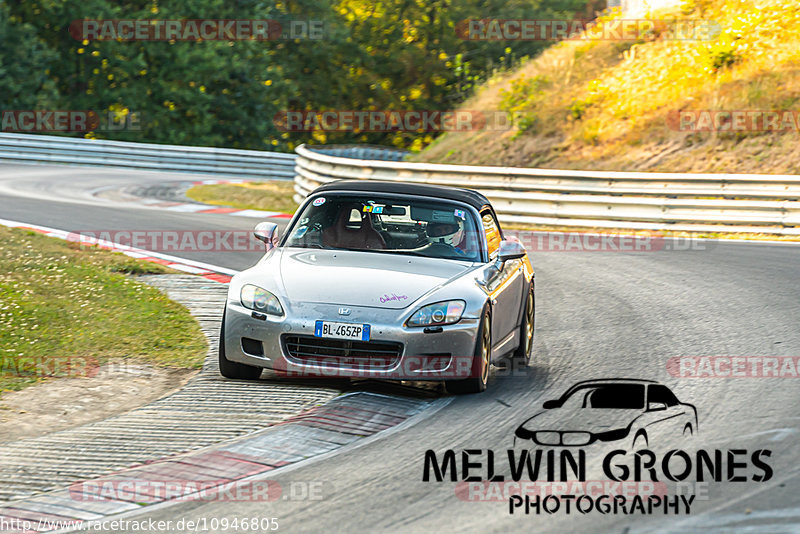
x=273, y=195
x=64, y=310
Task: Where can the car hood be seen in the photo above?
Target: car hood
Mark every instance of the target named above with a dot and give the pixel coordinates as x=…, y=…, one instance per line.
x=352, y=278
x=581, y=419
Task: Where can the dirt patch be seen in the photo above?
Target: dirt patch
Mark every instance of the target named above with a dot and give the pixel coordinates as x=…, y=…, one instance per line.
x=67, y=402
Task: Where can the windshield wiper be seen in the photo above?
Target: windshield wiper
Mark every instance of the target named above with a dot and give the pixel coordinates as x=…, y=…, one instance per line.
x=401, y=251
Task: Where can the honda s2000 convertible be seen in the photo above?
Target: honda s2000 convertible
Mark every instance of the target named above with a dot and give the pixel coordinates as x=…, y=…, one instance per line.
x=382, y=280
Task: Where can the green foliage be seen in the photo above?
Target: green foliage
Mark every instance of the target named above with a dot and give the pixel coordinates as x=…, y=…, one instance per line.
x=721, y=55
x=384, y=55
x=519, y=98
x=522, y=92
x=24, y=61
x=578, y=108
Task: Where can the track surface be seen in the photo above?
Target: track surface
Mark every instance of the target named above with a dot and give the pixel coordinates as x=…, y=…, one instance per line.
x=598, y=315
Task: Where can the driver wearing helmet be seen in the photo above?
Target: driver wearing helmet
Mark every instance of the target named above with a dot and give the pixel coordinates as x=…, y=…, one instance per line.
x=449, y=233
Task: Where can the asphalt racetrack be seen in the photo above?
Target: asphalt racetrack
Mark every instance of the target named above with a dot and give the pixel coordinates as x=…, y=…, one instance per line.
x=599, y=315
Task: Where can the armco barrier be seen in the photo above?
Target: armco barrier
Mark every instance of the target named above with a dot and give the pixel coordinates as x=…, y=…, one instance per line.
x=51, y=149
x=655, y=201
x=380, y=153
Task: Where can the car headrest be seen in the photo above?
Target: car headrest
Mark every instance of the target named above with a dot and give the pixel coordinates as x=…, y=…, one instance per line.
x=345, y=212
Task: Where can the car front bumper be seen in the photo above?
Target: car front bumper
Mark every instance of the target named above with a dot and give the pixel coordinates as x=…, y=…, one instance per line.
x=442, y=355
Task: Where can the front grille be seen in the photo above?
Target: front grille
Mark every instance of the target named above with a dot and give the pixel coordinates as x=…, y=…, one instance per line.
x=311, y=350
x=569, y=439
x=576, y=439
x=548, y=438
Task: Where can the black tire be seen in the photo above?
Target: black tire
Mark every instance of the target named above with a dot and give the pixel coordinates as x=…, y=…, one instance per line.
x=523, y=353
x=229, y=369
x=480, y=362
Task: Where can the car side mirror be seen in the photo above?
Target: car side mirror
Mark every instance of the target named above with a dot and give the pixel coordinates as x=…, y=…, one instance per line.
x=510, y=250
x=656, y=406
x=549, y=405
x=268, y=233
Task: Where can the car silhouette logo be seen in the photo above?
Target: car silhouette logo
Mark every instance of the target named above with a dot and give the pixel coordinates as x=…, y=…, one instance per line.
x=344, y=311
x=606, y=410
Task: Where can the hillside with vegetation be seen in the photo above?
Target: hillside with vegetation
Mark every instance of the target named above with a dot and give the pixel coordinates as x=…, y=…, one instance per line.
x=610, y=105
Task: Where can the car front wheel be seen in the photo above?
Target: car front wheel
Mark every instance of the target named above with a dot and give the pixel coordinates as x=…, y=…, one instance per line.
x=481, y=360
x=229, y=369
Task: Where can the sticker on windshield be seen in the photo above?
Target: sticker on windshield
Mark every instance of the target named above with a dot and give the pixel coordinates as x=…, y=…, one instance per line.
x=460, y=214
x=301, y=231
x=367, y=209
x=442, y=216
x=318, y=201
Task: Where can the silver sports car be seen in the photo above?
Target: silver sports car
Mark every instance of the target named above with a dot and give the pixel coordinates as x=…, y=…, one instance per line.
x=382, y=280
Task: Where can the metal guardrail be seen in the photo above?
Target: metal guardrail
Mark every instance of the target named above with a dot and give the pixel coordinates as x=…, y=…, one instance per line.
x=648, y=201
x=49, y=149
x=380, y=153
x=652, y=201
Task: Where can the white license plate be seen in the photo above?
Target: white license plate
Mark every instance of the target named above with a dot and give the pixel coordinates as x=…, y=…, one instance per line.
x=328, y=329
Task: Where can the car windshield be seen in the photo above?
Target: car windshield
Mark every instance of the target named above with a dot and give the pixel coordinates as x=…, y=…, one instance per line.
x=387, y=224
x=607, y=396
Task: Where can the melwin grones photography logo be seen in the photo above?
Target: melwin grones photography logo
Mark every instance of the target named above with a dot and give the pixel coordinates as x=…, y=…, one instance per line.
x=637, y=433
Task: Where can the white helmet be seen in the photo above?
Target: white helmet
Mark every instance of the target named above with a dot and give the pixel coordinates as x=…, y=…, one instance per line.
x=449, y=233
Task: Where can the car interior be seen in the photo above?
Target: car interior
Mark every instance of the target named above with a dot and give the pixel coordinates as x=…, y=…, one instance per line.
x=427, y=230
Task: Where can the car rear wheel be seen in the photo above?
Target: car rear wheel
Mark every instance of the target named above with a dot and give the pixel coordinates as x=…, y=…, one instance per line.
x=523, y=353
x=230, y=369
x=480, y=362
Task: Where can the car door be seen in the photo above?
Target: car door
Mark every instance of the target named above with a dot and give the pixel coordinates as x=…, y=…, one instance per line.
x=505, y=289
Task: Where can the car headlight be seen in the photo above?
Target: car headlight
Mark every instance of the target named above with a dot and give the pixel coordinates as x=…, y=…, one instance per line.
x=438, y=314
x=259, y=299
